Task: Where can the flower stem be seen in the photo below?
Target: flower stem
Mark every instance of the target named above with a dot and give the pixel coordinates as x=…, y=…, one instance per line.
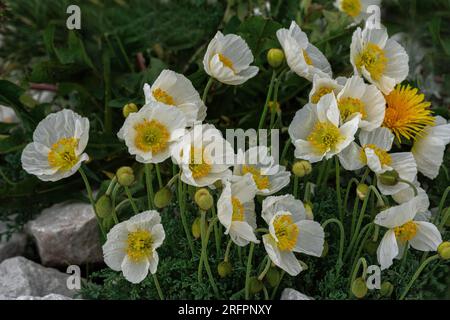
x=204, y=256
x=181, y=203
x=338, y=189
x=158, y=174
x=207, y=87
x=113, y=201
x=149, y=184
x=91, y=199
x=442, y=203
x=158, y=288
x=417, y=274
x=410, y=184
x=295, y=190
x=266, y=104
x=133, y=204
x=342, y=235
x=248, y=271
x=274, y=291
x=216, y=233
x=363, y=262
x=227, y=251
x=285, y=150
x=265, y=270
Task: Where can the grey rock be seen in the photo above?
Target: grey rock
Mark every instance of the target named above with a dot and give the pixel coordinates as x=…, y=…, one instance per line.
x=22, y=277
x=51, y=296
x=291, y=294
x=67, y=234
x=14, y=246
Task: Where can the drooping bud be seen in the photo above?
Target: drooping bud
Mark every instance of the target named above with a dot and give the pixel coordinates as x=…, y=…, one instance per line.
x=129, y=108
x=103, y=206
x=386, y=289
x=224, y=269
x=359, y=288
x=301, y=168
x=272, y=277
x=309, y=211
x=275, y=57
x=204, y=199
x=255, y=285
x=196, y=229
x=163, y=198
x=125, y=176
x=444, y=250
x=389, y=178
x=362, y=190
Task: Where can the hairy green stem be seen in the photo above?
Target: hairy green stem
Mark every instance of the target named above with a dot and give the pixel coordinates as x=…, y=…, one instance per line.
x=248, y=271
x=266, y=104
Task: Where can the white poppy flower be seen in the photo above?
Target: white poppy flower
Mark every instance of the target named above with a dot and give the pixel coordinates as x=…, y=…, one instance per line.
x=203, y=155
x=423, y=203
x=57, y=148
x=228, y=59
x=322, y=86
x=429, y=147
x=301, y=56
x=382, y=61
x=175, y=89
x=356, y=9
x=366, y=100
x=316, y=133
x=131, y=246
x=8, y=115
x=151, y=132
x=404, y=230
x=290, y=231
x=269, y=177
x=236, y=209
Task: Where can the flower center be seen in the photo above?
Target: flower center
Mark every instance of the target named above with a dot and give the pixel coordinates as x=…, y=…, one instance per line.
x=139, y=245
x=373, y=59
x=348, y=106
x=286, y=231
x=384, y=157
x=262, y=181
x=151, y=136
x=406, y=232
x=62, y=154
x=238, y=209
x=226, y=62
x=307, y=57
x=407, y=114
x=324, y=137
x=351, y=7
x=199, y=164
x=162, y=96
x=320, y=93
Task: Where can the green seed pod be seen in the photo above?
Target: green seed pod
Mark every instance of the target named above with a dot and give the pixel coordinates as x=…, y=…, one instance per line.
x=125, y=176
x=272, y=277
x=275, y=57
x=103, y=206
x=359, y=288
x=389, y=178
x=224, y=269
x=362, y=190
x=444, y=250
x=255, y=285
x=301, y=168
x=163, y=198
x=386, y=289
x=129, y=108
x=325, y=249
x=204, y=199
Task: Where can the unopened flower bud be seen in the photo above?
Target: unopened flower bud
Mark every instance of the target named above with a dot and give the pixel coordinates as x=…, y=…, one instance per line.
x=301, y=168
x=103, y=206
x=386, y=289
x=371, y=246
x=444, y=250
x=362, y=190
x=108, y=222
x=325, y=249
x=125, y=176
x=163, y=198
x=309, y=211
x=129, y=108
x=275, y=57
x=224, y=269
x=196, y=229
x=255, y=285
x=204, y=199
x=274, y=106
x=359, y=288
x=272, y=277
x=389, y=178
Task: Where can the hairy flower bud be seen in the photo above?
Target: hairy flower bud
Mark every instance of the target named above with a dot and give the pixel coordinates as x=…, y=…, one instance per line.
x=386, y=289
x=389, y=178
x=103, y=206
x=125, y=176
x=203, y=199
x=272, y=277
x=362, y=190
x=129, y=108
x=255, y=285
x=359, y=288
x=444, y=250
x=301, y=168
x=275, y=57
x=163, y=198
x=196, y=229
x=224, y=269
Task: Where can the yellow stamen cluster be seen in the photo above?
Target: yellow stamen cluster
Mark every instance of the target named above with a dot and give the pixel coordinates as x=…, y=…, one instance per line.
x=373, y=59
x=351, y=7
x=324, y=137
x=238, y=210
x=286, y=231
x=162, y=96
x=407, y=114
x=349, y=106
x=315, y=98
x=227, y=62
x=62, y=154
x=262, y=181
x=199, y=164
x=307, y=57
x=385, y=158
x=151, y=136
x=139, y=245
x=406, y=231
